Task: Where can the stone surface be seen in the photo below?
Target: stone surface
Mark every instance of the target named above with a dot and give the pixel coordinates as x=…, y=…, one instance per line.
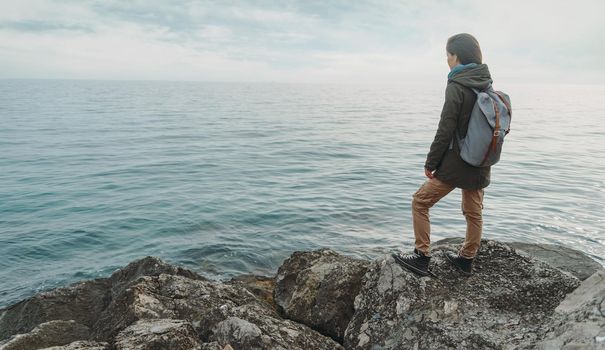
x=502, y=305
x=562, y=257
x=82, y=301
x=214, y=346
x=512, y=301
x=318, y=288
x=206, y=305
x=261, y=286
x=559, y=256
x=81, y=345
x=580, y=318
x=148, y=266
x=241, y=333
x=158, y=334
x=47, y=334
x=116, y=308
x=79, y=302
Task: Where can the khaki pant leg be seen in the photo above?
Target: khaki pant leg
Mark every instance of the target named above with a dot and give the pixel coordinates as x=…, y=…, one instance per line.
x=427, y=195
x=472, y=205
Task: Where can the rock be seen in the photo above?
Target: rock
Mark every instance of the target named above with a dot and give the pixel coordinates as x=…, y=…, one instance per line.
x=559, y=256
x=318, y=288
x=158, y=334
x=261, y=286
x=148, y=266
x=47, y=334
x=127, y=307
x=502, y=305
x=211, y=308
x=170, y=296
x=81, y=345
x=82, y=301
x=511, y=301
x=579, y=321
x=213, y=346
x=241, y=333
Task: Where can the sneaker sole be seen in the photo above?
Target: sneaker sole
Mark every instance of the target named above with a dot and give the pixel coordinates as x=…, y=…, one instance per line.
x=408, y=266
x=457, y=267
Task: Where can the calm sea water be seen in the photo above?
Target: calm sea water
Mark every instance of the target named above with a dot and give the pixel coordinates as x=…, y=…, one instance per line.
x=229, y=178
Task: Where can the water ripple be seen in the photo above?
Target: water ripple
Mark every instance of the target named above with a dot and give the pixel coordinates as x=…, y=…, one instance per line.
x=231, y=178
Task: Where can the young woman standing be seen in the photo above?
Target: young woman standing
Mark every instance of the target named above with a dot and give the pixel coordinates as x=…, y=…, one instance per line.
x=444, y=168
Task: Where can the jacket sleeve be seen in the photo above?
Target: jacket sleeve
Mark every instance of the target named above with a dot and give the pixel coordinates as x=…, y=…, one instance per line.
x=447, y=126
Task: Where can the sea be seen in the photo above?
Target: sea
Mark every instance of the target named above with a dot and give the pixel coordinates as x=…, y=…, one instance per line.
x=232, y=178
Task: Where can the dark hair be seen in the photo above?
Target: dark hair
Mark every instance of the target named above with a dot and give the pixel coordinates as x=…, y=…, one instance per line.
x=466, y=47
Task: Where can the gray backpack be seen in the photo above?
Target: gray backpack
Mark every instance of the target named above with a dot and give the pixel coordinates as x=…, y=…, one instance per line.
x=488, y=124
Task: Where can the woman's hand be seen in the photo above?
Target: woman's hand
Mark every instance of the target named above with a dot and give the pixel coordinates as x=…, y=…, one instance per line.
x=428, y=173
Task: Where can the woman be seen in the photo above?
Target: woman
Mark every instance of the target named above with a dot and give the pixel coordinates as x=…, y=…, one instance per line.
x=444, y=168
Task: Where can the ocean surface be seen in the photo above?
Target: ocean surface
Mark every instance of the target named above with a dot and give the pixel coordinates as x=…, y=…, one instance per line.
x=231, y=178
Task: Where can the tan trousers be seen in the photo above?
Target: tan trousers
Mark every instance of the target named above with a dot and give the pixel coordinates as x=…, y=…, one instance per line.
x=430, y=193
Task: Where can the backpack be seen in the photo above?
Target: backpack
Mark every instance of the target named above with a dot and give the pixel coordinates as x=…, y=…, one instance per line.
x=489, y=123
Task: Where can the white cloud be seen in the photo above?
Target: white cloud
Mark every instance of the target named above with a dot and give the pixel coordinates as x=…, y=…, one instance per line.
x=381, y=41
x=214, y=33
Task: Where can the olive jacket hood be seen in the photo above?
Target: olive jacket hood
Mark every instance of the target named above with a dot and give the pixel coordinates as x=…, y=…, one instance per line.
x=476, y=77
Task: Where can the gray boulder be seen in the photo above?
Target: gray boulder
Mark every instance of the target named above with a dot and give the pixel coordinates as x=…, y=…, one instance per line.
x=261, y=286
x=127, y=309
x=318, y=288
x=50, y=333
x=218, y=312
x=559, y=256
x=502, y=305
x=215, y=346
x=148, y=266
x=82, y=301
x=241, y=333
x=513, y=300
x=158, y=334
x=81, y=345
x=579, y=321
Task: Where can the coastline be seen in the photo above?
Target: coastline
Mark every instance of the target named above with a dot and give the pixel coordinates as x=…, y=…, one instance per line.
x=520, y=296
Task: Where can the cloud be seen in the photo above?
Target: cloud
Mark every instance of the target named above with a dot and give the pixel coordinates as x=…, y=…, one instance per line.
x=362, y=41
x=42, y=26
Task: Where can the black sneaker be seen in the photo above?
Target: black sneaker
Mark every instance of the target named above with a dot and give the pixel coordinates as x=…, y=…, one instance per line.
x=465, y=265
x=416, y=262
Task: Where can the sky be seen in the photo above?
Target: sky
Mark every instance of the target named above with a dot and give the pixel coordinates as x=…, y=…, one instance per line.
x=370, y=41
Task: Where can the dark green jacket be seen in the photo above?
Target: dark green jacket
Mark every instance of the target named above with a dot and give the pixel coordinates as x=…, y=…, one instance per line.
x=459, y=102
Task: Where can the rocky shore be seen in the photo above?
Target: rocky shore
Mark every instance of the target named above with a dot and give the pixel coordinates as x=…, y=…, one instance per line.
x=521, y=296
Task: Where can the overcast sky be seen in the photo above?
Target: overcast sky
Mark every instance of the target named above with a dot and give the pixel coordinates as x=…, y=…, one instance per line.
x=298, y=41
